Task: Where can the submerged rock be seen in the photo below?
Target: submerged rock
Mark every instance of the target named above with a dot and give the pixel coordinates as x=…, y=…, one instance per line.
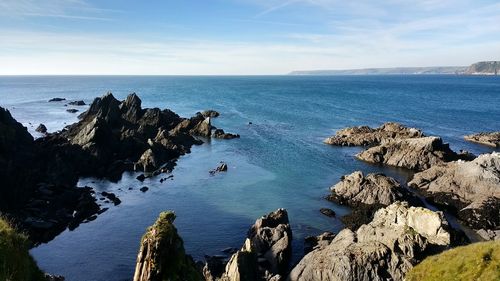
x=56, y=99
x=395, y=240
x=266, y=252
x=162, y=256
x=364, y=135
x=490, y=139
x=469, y=189
x=327, y=212
x=72, y=110
x=414, y=153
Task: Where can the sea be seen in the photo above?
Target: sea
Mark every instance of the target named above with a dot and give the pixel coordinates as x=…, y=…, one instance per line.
x=280, y=160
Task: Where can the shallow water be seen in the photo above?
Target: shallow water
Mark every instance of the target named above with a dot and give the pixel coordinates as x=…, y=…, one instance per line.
x=279, y=161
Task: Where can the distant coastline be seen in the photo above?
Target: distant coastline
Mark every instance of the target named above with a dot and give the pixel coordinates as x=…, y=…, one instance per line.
x=479, y=68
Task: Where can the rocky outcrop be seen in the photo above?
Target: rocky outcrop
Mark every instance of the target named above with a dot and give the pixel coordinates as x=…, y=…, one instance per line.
x=469, y=189
x=414, y=153
x=266, y=253
x=366, y=194
x=221, y=168
x=364, y=135
x=162, y=255
x=395, y=240
x=490, y=139
x=111, y=137
x=220, y=134
x=357, y=189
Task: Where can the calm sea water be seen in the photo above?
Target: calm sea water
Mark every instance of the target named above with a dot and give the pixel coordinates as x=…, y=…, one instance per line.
x=279, y=162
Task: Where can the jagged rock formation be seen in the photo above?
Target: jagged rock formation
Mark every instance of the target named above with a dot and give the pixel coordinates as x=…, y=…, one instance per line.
x=469, y=189
x=414, y=153
x=210, y=113
x=41, y=129
x=398, y=237
x=265, y=254
x=162, y=256
x=490, y=139
x=38, y=179
x=364, y=135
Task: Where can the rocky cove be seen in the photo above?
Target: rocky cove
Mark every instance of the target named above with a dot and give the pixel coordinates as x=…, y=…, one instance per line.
x=368, y=182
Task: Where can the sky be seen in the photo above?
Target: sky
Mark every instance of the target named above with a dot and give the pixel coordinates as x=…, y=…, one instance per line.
x=242, y=37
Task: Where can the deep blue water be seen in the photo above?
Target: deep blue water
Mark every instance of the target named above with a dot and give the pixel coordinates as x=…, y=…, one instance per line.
x=280, y=160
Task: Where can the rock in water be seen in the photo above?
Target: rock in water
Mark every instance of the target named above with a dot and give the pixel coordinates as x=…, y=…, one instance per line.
x=41, y=129
x=220, y=134
x=57, y=99
x=72, y=110
x=77, y=103
x=414, y=153
x=364, y=135
x=398, y=237
x=469, y=189
x=162, y=256
x=266, y=252
x=357, y=189
x=490, y=139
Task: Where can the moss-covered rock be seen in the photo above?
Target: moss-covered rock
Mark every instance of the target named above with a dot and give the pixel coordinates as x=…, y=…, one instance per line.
x=16, y=264
x=478, y=261
x=162, y=256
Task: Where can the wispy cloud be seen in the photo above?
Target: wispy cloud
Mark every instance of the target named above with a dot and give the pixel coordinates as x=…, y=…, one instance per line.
x=64, y=9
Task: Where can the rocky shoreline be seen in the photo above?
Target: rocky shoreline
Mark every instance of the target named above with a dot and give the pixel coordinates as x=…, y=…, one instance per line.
x=388, y=232
x=39, y=185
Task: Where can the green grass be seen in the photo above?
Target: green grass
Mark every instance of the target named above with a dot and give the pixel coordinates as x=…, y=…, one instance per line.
x=475, y=262
x=16, y=264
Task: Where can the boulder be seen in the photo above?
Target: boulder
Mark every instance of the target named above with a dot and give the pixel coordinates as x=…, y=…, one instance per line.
x=357, y=189
x=72, y=110
x=413, y=153
x=490, y=139
x=266, y=252
x=395, y=240
x=469, y=189
x=364, y=135
x=41, y=129
x=162, y=256
x=210, y=113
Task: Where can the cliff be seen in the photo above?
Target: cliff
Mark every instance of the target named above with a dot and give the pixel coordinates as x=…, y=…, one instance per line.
x=483, y=68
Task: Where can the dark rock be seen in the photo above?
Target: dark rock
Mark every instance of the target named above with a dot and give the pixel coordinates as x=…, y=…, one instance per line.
x=322, y=240
x=72, y=110
x=112, y=197
x=77, y=103
x=221, y=168
x=220, y=134
x=57, y=99
x=327, y=212
x=144, y=189
x=41, y=129
x=141, y=177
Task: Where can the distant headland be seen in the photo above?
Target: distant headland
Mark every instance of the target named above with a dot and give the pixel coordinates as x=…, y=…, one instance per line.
x=479, y=68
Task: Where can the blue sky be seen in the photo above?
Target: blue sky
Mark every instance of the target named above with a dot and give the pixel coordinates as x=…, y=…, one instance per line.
x=242, y=36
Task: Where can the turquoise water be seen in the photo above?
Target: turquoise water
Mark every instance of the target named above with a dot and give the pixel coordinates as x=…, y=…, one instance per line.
x=279, y=161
